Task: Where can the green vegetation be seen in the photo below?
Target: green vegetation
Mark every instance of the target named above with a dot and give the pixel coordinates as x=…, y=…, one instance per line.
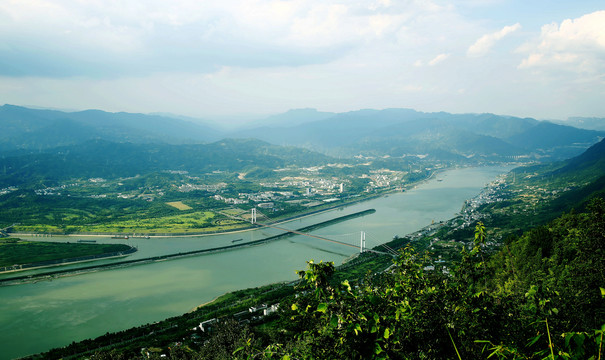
x=14, y=251
x=176, y=223
x=529, y=284
x=174, y=202
x=70, y=214
x=179, y=205
x=539, y=297
x=535, y=195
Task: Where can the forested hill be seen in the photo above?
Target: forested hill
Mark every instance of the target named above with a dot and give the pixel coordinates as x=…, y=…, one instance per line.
x=396, y=132
x=389, y=132
x=24, y=128
x=591, y=161
x=101, y=158
x=541, y=295
x=585, y=173
x=550, y=189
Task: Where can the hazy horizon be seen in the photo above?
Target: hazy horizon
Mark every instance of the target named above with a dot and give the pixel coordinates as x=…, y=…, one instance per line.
x=245, y=119
x=242, y=60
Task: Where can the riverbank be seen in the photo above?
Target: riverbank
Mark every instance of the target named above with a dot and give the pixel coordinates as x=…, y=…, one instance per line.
x=121, y=264
x=108, y=257
x=203, y=233
x=48, y=254
x=74, y=308
x=210, y=231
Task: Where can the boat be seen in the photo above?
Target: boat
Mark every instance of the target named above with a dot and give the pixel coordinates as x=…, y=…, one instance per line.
x=236, y=240
x=87, y=241
x=125, y=237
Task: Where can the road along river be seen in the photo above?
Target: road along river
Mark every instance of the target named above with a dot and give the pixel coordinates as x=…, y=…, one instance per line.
x=35, y=317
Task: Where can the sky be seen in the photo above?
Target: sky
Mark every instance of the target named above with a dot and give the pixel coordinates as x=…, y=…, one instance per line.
x=228, y=58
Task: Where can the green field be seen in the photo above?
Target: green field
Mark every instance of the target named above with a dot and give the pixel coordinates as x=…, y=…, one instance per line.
x=182, y=222
x=18, y=252
x=173, y=223
x=179, y=205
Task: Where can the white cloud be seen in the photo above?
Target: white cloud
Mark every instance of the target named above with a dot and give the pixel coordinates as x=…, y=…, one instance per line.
x=577, y=45
x=99, y=38
x=484, y=44
x=197, y=57
x=437, y=59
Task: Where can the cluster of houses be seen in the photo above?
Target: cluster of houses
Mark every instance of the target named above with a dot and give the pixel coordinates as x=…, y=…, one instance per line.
x=489, y=195
x=48, y=191
x=7, y=190
x=187, y=187
x=253, y=313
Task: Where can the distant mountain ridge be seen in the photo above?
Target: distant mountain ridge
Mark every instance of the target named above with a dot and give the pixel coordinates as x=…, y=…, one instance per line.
x=395, y=132
x=368, y=132
x=24, y=128
x=291, y=118
x=588, y=123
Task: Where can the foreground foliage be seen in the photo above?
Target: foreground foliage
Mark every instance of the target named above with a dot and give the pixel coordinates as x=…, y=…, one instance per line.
x=540, y=297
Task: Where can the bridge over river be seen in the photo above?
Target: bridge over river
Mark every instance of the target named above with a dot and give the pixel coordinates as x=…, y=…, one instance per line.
x=120, y=264
x=35, y=317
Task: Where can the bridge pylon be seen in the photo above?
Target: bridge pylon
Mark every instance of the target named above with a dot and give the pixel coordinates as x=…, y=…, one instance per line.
x=362, y=243
x=253, y=216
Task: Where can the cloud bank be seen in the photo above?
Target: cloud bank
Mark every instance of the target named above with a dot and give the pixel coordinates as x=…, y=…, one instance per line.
x=202, y=58
x=576, y=45
x=484, y=44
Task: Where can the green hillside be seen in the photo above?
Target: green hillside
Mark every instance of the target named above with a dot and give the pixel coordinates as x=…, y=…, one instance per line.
x=24, y=128
x=539, y=297
x=529, y=283
x=100, y=158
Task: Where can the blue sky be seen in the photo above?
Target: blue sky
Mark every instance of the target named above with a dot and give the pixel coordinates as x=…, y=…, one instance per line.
x=542, y=59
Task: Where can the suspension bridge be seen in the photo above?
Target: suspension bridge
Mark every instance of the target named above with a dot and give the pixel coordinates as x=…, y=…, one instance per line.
x=4, y=232
x=362, y=238
x=302, y=231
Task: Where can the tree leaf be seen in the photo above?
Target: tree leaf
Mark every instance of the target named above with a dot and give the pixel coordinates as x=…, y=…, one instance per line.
x=347, y=285
x=534, y=340
x=334, y=321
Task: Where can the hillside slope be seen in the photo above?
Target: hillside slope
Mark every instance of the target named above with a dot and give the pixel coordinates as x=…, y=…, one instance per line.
x=100, y=158
x=24, y=128
x=395, y=132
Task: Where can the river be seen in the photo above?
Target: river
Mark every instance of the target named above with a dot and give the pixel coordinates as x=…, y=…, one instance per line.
x=36, y=317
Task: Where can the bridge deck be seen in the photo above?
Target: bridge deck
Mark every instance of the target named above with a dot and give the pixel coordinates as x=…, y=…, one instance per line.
x=310, y=235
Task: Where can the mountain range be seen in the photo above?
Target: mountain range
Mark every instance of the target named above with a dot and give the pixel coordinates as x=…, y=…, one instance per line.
x=389, y=132
x=101, y=158
x=24, y=128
